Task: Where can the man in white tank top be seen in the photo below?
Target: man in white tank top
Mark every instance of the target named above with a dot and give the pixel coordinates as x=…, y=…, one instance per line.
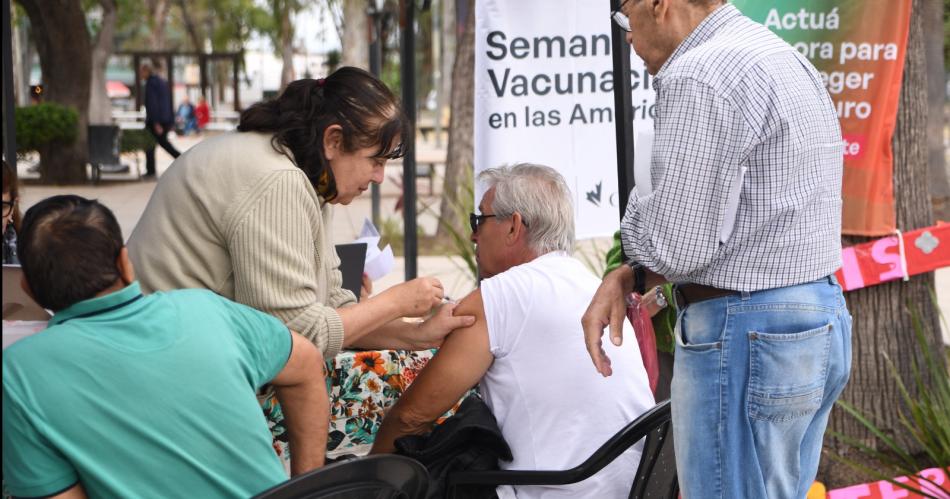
x=526, y=349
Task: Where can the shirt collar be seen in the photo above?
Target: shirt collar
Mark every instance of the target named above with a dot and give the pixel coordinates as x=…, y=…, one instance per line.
x=98, y=305
x=703, y=32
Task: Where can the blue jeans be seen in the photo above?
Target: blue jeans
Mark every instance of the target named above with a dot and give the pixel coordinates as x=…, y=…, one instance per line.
x=754, y=379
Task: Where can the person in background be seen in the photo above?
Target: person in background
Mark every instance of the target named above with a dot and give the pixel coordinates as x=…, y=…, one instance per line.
x=159, y=118
x=11, y=214
x=745, y=219
x=523, y=350
x=128, y=395
x=185, y=117
x=202, y=113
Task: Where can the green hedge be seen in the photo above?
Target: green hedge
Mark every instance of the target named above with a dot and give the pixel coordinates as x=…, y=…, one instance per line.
x=43, y=124
x=136, y=140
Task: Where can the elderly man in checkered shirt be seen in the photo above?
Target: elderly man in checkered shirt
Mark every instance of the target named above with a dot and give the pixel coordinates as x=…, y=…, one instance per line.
x=744, y=218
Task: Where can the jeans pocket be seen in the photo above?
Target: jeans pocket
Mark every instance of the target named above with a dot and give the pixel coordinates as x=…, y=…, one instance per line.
x=701, y=327
x=787, y=373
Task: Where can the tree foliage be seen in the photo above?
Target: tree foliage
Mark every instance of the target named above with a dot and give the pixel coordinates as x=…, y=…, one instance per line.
x=227, y=25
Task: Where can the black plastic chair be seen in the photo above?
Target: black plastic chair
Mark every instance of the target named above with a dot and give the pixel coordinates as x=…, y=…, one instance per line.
x=374, y=477
x=104, y=151
x=656, y=474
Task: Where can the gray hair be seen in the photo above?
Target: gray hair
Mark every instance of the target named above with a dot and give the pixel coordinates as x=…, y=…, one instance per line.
x=540, y=194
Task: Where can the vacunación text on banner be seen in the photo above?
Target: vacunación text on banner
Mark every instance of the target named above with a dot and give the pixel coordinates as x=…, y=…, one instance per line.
x=544, y=83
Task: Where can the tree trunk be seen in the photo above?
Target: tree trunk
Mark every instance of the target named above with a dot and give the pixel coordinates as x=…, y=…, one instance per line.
x=424, y=56
x=882, y=323
x=222, y=75
x=157, y=19
x=936, y=79
x=100, y=108
x=22, y=58
x=62, y=41
x=190, y=27
x=448, y=32
x=287, y=74
x=460, y=155
x=355, y=34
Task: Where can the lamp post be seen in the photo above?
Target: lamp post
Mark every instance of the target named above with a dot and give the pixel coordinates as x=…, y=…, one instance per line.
x=9, y=124
x=407, y=77
x=376, y=12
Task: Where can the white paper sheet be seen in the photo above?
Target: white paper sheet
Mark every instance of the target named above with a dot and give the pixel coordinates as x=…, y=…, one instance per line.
x=379, y=262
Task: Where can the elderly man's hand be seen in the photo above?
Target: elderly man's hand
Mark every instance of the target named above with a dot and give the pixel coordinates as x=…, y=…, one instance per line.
x=608, y=308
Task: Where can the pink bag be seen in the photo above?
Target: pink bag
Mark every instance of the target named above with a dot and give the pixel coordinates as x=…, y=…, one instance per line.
x=646, y=338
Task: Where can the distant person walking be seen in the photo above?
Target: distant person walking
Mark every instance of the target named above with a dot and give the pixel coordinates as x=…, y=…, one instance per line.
x=159, y=118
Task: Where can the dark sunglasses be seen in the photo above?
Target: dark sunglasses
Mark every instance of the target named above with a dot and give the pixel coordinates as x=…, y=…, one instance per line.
x=475, y=220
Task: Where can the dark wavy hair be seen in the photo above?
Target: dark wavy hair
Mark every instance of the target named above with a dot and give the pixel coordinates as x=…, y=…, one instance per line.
x=68, y=247
x=363, y=106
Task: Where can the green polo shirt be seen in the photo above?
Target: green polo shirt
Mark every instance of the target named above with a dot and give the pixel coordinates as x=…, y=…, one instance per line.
x=143, y=396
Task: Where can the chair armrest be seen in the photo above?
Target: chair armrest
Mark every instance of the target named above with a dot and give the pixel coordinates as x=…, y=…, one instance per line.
x=620, y=442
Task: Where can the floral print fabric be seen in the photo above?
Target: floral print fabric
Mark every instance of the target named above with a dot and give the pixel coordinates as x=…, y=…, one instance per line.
x=362, y=386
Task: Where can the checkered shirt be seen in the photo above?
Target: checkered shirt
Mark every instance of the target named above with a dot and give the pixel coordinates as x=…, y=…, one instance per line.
x=735, y=98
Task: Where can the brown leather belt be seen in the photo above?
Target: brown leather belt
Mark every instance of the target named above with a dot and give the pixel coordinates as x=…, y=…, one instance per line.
x=687, y=294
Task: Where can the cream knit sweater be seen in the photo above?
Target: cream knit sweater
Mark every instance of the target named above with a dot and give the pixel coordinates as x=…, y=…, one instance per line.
x=234, y=216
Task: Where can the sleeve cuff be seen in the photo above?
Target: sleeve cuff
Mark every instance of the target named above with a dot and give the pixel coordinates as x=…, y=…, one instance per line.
x=49, y=489
x=321, y=325
x=341, y=297
x=334, y=335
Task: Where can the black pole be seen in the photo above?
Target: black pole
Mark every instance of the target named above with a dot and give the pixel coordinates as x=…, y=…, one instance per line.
x=203, y=74
x=136, y=64
x=408, y=81
x=623, y=110
x=170, y=73
x=236, y=79
x=375, y=67
x=9, y=124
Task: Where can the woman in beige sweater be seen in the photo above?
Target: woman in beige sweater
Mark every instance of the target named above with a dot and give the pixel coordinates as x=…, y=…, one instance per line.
x=246, y=215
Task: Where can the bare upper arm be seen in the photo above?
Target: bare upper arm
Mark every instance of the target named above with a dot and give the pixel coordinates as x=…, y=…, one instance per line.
x=304, y=362
x=460, y=363
x=74, y=492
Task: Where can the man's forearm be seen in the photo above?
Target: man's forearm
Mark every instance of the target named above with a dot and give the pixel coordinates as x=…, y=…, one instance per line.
x=306, y=409
x=397, y=423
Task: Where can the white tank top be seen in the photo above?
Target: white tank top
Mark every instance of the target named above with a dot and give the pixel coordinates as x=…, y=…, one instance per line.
x=552, y=406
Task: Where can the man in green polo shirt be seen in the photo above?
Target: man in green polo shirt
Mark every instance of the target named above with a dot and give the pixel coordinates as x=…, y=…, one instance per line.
x=126, y=395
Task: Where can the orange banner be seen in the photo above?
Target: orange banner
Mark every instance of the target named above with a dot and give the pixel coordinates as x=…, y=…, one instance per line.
x=858, y=47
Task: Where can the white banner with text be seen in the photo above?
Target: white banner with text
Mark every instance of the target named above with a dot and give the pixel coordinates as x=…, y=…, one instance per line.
x=544, y=94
